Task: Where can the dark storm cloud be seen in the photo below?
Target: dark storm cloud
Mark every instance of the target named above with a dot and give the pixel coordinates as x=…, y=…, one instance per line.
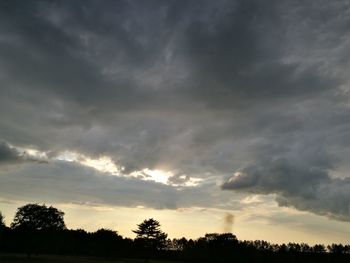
x=304, y=187
x=11, y=156
x=8, y=155
x=201, y=88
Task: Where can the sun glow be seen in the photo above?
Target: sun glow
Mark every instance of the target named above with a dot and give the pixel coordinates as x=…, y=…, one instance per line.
x=166, y=177
x=105, y=164
x=152, y=175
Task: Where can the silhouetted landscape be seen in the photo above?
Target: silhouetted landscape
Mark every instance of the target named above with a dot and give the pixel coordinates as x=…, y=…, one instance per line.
x=38, y=231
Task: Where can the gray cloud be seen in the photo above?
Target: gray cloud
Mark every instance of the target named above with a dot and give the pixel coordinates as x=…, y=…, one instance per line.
x=70, y=182
x=9, y=155
x=303, y=186
x=202, y=89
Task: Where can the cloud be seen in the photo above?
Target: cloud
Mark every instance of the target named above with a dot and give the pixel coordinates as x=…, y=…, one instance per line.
x=304, y=187
x=9, y=155
x=203, y=90
x=71, y=182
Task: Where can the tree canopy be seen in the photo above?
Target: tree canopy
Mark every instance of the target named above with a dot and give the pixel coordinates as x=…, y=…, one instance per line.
x=2, y=222
x=38, y=217
x=150, y=234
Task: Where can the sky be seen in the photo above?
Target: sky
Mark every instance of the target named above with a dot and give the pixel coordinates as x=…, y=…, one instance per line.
x=190, y=112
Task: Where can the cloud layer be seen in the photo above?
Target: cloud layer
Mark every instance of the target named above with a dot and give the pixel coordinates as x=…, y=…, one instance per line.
x=201, y=89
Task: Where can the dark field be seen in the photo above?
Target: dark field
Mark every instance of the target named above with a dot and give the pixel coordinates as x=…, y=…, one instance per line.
x=19, y=258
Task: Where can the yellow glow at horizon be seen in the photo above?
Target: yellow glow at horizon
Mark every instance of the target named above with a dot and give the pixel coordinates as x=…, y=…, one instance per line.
x=194, y=222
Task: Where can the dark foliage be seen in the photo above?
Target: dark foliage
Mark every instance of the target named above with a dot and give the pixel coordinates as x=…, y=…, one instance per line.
x=151, y=243
x=150, y=239
x=149, y=235
x=2, y=220
x=38, y=217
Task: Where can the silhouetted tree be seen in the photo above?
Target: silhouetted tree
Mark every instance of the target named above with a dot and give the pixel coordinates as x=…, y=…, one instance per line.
x=214, y=246
x=305, y=248
x=318, y=248
x=106, y=242
x=2, y=231
x=38, y=217
x=37, y=226
x=2, y=221
x=336, y=248
x=180, y=244
x=150, y=235
x=293, y=247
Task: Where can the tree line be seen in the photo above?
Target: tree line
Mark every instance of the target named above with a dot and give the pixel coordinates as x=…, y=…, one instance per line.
x=39, y=229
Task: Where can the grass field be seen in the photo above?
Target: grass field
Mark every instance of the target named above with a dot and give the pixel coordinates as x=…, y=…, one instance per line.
x=19, y=258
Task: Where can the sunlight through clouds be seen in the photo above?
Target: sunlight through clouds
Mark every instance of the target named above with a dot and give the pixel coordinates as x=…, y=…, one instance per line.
x=164, y=177
x=106, y=165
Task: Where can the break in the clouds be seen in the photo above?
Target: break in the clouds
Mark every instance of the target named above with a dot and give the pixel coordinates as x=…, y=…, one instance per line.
x=253, y=95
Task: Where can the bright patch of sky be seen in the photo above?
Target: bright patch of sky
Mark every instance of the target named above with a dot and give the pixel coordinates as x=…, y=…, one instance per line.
x=106, y=165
